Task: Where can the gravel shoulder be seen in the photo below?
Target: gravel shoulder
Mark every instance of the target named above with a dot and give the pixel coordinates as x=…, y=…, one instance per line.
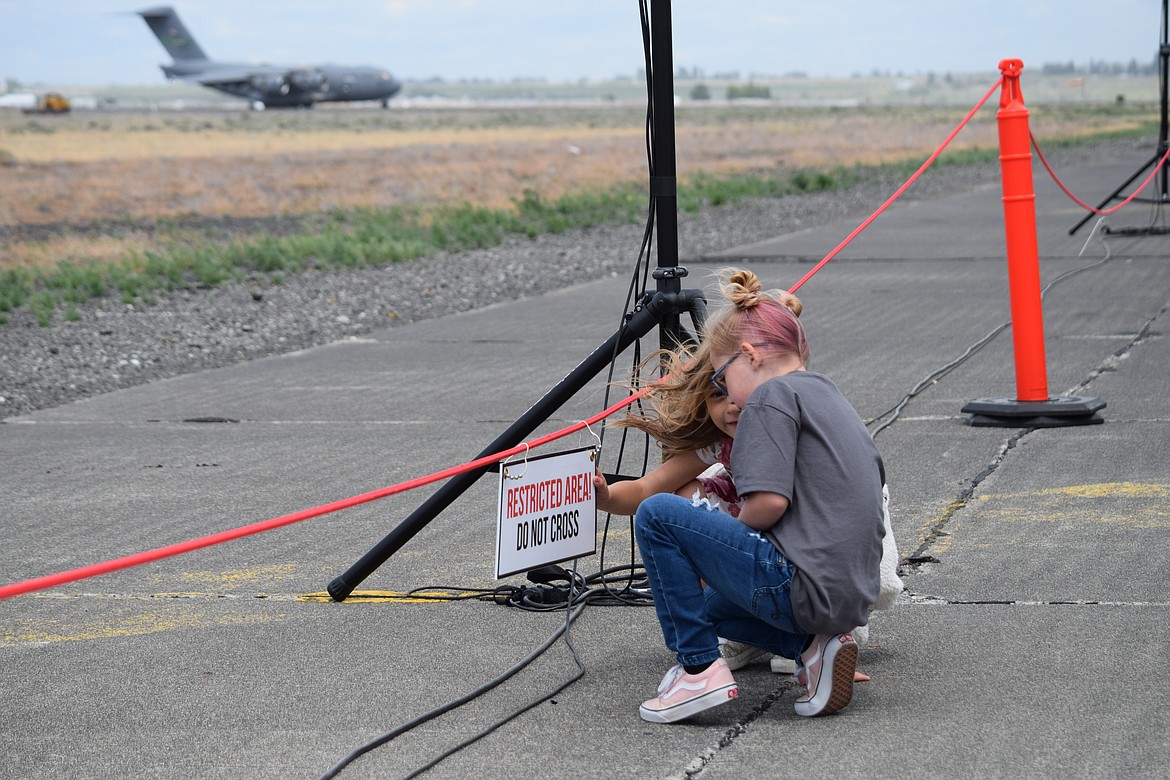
x=114, y=346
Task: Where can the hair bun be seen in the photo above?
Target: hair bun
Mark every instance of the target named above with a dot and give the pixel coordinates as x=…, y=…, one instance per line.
x=745, y=291
x=791, y=301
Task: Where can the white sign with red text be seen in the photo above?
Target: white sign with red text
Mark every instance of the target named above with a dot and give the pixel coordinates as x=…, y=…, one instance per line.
x=548, y=511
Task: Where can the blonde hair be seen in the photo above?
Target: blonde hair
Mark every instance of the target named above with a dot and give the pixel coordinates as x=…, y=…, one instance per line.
x=675, y=411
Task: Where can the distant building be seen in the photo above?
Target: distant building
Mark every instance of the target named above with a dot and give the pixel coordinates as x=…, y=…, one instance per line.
x=18, y=100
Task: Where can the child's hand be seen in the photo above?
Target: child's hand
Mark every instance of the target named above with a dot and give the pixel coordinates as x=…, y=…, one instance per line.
x=600, y=490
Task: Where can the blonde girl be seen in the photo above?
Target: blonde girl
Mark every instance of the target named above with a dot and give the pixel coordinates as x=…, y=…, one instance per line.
x=799, y=568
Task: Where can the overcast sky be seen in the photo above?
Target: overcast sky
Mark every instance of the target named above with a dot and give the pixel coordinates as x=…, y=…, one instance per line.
x=98, y=42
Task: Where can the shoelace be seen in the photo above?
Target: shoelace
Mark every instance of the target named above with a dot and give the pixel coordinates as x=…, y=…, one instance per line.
x=672, y=674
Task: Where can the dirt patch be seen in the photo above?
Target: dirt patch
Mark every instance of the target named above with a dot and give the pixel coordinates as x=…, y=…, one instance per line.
x=92, y=187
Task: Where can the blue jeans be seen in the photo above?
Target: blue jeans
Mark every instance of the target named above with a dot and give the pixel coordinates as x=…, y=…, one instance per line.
x=747, y=598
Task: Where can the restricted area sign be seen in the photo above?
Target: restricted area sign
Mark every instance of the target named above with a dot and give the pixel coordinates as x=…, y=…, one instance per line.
x=548, y=511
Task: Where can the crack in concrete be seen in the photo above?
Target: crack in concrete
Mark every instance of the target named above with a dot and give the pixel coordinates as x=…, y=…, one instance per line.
x=1145, y=333
x=699, y=763
x=912, y=563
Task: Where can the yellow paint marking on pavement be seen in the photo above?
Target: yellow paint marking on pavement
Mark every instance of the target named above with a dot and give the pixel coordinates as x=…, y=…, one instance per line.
x=1130, y=504
x=1101, y=490
x=941, y=540
x=53, y=631
x=388, y=597
x=1127, y=504
x=1127, y=518
x=1123, y=504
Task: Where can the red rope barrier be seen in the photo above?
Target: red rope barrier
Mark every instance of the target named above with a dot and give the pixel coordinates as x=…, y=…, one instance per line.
x=1086, y=206
x=897, y=194
x=117, y=564
x=126, y=562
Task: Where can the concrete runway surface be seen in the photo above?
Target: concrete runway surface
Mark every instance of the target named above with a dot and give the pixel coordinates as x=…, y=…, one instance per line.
x=1030, y=640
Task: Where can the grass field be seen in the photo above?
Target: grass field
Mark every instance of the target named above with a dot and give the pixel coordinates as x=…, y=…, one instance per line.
x=132, y=192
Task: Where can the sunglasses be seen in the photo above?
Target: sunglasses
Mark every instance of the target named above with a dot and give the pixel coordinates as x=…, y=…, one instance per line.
x=717, y=378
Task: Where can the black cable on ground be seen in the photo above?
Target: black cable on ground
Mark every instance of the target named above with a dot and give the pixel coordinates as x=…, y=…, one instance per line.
x=509, y=673
x=569, y=618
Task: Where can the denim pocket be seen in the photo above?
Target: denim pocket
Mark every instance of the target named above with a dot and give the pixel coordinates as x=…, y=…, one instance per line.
x=772, y=603
x=772, y=598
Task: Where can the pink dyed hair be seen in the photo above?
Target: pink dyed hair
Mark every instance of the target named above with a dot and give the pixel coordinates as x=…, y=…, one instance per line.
x=766, y=318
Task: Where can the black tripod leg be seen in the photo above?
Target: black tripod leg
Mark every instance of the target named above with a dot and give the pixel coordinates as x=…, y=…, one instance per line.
x=1164, y=127
x=1113, y=196
x=645, y=318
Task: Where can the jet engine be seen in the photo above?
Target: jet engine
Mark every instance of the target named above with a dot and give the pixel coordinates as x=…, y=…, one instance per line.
x=270, y=84
x=309, y=80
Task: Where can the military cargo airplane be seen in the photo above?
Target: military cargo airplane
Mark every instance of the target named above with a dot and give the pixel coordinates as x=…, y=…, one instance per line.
x=267, y=86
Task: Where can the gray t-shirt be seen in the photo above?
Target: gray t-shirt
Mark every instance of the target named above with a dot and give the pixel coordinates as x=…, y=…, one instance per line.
x=799, y=437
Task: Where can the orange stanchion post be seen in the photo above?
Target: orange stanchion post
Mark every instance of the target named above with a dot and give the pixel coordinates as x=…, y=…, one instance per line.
x=1023, y=253
x=1032, y=406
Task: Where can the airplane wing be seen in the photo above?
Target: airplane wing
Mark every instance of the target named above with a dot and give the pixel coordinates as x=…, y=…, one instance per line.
x=225, y=77
x=264, y=80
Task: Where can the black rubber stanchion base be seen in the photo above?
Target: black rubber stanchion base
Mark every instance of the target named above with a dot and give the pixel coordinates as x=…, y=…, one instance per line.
x=1053, y=413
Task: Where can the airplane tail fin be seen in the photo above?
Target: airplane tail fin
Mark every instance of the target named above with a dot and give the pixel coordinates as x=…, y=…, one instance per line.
x=171, y=33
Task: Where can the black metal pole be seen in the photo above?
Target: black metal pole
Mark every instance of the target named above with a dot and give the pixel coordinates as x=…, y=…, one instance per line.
x=663, y=184
x=645, y=317
x=1163, y=75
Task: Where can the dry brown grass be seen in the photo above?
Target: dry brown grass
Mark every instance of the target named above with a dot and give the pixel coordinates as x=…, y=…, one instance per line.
x=128, y=168
x=78, y=249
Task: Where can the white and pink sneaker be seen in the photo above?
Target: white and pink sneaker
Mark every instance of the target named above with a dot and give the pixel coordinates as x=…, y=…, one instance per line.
x=828, y=666
x=681, y=695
